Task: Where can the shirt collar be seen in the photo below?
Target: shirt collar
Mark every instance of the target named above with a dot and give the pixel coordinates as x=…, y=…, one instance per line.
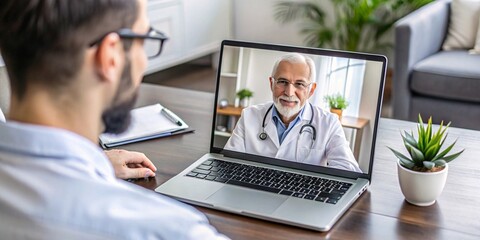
x=54, y=143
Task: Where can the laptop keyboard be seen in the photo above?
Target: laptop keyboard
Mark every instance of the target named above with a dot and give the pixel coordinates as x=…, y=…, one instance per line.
x=271, y=180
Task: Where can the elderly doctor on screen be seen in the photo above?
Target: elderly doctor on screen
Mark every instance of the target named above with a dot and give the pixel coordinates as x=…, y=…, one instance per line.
x=291, y=128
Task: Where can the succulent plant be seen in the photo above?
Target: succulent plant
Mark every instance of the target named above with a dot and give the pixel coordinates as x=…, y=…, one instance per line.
x=425, y=152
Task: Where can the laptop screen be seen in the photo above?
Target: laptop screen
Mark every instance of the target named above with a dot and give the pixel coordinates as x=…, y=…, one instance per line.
x=273, y=104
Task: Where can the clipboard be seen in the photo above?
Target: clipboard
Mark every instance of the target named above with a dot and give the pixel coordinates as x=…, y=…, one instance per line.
x=147, y=123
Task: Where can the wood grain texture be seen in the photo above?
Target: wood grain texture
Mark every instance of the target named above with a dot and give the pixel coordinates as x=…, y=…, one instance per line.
x=230, y=110
x=380, y=213
x=353, y=122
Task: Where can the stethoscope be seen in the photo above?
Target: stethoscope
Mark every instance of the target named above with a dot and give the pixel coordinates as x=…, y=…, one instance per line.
x=306, y=128
x=309, y=128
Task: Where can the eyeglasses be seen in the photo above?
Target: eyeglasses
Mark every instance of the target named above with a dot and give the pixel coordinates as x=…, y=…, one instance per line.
x=283, y=83
x=153, y=40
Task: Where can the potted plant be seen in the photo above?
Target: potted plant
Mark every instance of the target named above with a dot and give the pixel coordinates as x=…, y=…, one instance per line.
x=423, y=174
x=337, y=104
x=358, y=25
x=244, y=96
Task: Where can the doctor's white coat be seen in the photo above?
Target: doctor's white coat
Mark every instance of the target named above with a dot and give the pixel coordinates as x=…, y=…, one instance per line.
x=329, y=149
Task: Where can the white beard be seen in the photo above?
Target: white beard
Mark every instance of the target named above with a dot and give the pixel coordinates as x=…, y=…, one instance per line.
x=287, y=112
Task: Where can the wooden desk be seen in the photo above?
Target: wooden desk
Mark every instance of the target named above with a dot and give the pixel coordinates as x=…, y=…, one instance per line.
x=380, y=213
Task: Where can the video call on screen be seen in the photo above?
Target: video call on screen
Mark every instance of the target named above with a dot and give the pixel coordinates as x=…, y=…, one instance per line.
x=358, y=80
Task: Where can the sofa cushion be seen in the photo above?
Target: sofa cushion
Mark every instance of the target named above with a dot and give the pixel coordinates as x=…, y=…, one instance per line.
x=463, y=26
x=453, y=75
x=476, y=48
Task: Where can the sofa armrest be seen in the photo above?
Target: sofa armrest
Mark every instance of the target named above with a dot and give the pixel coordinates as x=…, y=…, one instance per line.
x=417, y=36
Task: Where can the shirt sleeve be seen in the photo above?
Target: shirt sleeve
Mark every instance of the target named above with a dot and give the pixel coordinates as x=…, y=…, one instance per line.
x=236, y=142
x=338, y=153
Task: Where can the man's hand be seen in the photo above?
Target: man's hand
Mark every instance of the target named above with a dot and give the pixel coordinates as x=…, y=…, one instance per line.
x=129, y=164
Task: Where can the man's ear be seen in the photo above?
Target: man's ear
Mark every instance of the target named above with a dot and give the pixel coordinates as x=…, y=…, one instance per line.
x=271, y=82
x=312, y=89
x=109, y=57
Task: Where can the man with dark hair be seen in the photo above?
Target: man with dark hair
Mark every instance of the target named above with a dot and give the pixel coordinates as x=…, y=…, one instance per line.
x=74, y=70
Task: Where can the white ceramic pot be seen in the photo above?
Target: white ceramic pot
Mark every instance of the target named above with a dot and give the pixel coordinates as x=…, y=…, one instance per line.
x=421, y=188
x=245, y=102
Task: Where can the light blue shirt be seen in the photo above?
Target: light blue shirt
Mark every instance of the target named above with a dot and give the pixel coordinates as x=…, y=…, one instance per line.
x=282, y=130
x=58, y=185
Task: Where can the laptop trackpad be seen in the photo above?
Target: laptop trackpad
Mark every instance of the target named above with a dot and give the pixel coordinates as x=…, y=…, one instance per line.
x=243, y=199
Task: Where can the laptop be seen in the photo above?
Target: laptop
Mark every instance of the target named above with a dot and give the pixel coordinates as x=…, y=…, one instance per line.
x=278, y=189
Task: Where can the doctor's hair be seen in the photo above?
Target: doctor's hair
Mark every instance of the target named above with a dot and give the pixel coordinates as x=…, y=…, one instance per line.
x=44, y=41
x=297, y=58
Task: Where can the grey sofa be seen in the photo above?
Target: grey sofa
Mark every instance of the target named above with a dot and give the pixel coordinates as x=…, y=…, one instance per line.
x=429, y=81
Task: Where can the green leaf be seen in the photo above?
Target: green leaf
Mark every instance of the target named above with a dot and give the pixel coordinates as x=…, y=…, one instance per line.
x=399, y=155
x=453, y=156
x=290, y=11
x=440, y=163
x=431, y=152
x=337, y=101
x=437, y=137
x=442, y=131
x=428, y=135
x=421, y=134
x=405, y=161
x=417, y=155
x=420, y=138
x=443, y=140
x=428, y=164
x=407, y=164
x=410, y=139
x=434, y=140
x=444, y=152
x=420, y=121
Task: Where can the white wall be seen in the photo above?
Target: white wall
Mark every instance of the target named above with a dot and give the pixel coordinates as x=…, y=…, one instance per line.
x=369, y=100
x=260, y=65
x=254, y=21
x=195, y=28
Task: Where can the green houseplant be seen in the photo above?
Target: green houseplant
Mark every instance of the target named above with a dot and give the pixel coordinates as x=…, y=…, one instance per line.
x=424, y=153
x=423, y=173
x=244, y=96
x=337, y=103
x=359, y=25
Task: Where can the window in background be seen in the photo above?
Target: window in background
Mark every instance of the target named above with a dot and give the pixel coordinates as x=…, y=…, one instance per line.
x=340, y=76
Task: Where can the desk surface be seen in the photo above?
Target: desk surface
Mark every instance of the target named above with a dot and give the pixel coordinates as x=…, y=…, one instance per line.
x=380, y=213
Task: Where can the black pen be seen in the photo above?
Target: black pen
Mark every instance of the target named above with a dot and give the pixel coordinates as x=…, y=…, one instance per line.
x=170, y=117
